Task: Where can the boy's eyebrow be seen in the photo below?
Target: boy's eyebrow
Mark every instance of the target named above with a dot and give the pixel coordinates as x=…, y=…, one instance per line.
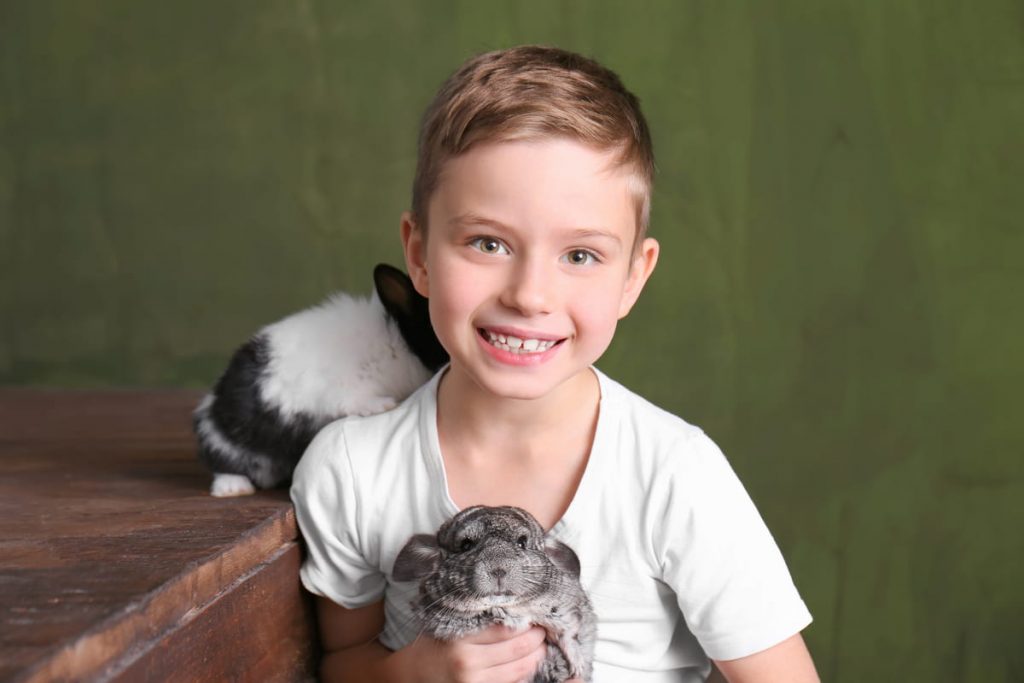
x=581, y=233
x=468, y=219
x=471, y=219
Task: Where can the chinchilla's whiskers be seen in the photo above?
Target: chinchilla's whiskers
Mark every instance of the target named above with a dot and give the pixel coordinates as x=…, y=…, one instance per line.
x=544, y=582
x=444, y=614
x=453, y=601
x=401, y=625
x=413, y=621
x=406, y=620
x=455, y=589
x=418, y=608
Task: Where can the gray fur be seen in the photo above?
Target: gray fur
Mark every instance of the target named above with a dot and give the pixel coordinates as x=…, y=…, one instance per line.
x=494, y=565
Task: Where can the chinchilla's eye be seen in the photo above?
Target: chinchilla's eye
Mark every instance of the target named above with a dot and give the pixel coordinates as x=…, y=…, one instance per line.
x=467, y=544
x=521, y=541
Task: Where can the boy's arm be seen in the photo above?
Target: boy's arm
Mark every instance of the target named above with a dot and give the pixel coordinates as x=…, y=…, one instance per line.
x=788, y=661
x=349, y=639
x=353, y=653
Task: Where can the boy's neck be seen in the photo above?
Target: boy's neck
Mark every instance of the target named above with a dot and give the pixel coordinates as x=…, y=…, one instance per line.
x=469, y=414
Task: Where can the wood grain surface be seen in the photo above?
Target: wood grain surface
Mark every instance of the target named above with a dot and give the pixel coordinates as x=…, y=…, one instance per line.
x=116, y=564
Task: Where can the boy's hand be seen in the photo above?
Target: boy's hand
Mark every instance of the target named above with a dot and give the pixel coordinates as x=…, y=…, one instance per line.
x=495, y=655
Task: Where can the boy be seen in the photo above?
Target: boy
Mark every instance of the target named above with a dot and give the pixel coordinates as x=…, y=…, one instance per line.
x=528, y=235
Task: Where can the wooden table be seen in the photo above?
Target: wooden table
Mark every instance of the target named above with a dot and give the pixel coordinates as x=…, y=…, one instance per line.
x=117, y=565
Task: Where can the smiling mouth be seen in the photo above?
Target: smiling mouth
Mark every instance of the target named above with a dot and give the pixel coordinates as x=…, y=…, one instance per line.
x=507, y=342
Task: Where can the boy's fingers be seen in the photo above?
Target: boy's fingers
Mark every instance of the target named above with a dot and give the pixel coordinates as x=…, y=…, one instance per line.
x=496, y=634
x=519, y=669
x=526, y=648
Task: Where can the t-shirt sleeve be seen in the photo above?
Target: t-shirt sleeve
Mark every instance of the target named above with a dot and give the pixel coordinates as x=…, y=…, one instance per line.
x=731, y=582
x=328, y=511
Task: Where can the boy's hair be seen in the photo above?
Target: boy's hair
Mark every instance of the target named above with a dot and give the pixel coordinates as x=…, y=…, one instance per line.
x=528, y=93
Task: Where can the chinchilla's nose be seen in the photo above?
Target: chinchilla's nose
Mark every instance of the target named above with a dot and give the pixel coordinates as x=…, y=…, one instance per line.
x=498, y=573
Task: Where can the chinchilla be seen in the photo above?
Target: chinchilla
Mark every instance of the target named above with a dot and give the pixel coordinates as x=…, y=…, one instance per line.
x=494, y=565
x=347, y=356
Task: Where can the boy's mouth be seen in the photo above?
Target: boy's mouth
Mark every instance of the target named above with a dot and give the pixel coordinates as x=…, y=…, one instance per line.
x=513, y=344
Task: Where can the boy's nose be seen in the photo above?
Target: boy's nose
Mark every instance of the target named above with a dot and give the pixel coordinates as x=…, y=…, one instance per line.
x=529, y=290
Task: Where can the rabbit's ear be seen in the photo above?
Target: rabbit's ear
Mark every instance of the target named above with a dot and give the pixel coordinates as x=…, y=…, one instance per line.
x=395, y=290
x=562, y=556
x=411, y=312
x=417, y=559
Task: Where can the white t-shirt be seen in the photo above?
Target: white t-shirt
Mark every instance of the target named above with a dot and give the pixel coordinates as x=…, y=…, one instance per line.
x=673, y=553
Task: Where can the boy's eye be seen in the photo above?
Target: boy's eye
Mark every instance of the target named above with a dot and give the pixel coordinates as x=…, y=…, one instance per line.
x=580, y=257
x=489, y=245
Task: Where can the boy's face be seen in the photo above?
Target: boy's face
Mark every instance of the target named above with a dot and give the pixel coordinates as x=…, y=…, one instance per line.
x=531, y=246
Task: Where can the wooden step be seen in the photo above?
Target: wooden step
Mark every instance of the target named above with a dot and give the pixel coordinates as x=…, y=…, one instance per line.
x=117, y=565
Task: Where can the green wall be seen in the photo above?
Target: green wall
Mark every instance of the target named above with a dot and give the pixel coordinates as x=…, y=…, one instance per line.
x=839, y=204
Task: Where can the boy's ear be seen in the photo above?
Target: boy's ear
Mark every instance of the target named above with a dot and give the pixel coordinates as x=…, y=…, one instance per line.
x=644, y=260
x=415, y=246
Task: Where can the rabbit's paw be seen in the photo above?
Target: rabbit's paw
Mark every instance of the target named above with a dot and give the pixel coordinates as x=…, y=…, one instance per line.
x=229, y=485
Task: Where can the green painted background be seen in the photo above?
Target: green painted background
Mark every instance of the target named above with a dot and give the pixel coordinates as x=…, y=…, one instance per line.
x=839, y=202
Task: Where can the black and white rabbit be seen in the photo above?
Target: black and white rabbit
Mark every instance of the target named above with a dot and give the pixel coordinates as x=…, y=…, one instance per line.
x=347, y=356
x=495, y=565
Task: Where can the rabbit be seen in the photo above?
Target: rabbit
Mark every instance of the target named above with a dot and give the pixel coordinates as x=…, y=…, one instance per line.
x=490, y=565
x=347, y=356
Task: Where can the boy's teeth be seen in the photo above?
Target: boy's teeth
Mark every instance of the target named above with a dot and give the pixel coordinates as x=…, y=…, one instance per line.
x=517, y=345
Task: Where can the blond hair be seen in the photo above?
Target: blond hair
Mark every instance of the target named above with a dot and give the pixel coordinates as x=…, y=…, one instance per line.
x=532, y=92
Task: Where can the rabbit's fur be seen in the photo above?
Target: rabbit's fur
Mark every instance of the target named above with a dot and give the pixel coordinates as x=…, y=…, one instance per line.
x=490, y=565
x=347, y=356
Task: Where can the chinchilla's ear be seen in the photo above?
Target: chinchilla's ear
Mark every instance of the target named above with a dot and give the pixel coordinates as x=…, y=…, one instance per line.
x=417, y=559
x=410, y=311
x=562, y=556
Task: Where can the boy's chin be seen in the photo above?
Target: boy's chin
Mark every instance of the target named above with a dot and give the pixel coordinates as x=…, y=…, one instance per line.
x=529, y=386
